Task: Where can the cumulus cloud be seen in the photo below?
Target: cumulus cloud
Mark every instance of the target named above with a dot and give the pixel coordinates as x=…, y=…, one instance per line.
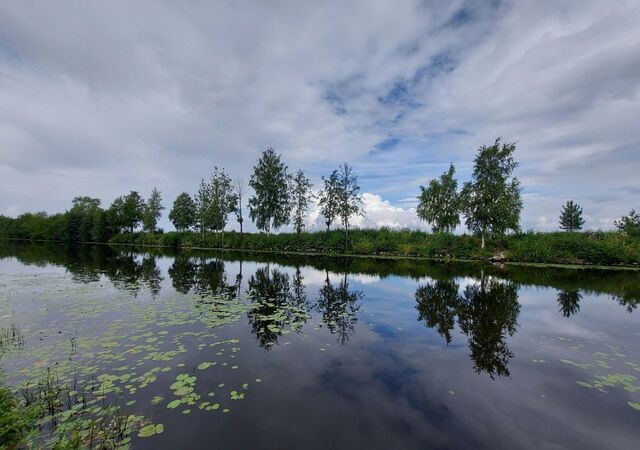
x=98, y=98
x=377, y=213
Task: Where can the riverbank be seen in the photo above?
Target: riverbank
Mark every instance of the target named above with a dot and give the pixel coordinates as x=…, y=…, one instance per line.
x=560, y=249
x=563, y=249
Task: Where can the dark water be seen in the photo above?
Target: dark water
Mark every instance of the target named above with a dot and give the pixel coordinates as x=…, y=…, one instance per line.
x=322, y=353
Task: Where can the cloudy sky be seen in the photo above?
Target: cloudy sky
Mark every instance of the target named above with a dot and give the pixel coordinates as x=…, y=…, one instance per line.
x=99, y=98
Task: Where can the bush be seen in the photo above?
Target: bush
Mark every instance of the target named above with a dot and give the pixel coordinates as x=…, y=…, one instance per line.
x=15, y=420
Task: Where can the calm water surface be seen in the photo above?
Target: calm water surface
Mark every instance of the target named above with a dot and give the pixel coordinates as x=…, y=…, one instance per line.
x=315, y=353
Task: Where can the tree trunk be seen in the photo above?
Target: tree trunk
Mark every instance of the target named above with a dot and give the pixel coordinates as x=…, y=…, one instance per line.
x=222, y=239
x=482, y=245
x=346, y=237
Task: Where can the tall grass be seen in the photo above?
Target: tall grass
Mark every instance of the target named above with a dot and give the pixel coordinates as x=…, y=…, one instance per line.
x=601, y=248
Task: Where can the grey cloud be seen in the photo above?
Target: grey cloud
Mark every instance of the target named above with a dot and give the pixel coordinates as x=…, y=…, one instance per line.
x=100, y=98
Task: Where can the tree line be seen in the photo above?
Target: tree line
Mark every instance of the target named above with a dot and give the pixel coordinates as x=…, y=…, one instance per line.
x=490, y=203
x=279, y=198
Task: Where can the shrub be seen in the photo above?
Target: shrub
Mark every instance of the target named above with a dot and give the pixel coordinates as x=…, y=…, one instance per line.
x=15, y=420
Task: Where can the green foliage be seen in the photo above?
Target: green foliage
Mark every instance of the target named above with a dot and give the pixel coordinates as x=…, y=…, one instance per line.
x=152, y=211
x=270, y=205
x=183, y=212
x=79, y=224
x=571, y=217
x=101, y=230
x=491, y=201
x=204, y=209
x=349, y=199
x=15, y=420
x=300, y=196
x=81, y=218
x=630, y=224
x=214, y=201
x=224, y=198
x=603, y=248
x=439, y=203
x=126, y=212
x=341, y=198
x=329, y=199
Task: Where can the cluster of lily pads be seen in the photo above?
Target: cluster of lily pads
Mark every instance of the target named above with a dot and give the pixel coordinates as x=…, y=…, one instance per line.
x=106, y=346
x=605, y=371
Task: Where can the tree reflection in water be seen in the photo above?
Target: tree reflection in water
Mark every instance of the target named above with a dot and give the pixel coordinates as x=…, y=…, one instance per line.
x=438, y=305
x=183, y=274
x=339, y=307
x=278, y=305
x=487, y=312
x=569, y=302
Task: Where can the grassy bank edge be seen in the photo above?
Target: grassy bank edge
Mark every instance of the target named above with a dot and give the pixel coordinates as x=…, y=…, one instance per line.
x=585, y=266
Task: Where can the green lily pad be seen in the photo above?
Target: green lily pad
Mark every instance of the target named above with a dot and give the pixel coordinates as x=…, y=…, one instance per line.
x=173, y=404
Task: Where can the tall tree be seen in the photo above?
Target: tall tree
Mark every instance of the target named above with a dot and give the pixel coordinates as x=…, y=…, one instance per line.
x=152, y=211
x=101, y=230
x=81, y=217
x=223, y=200
x=204, y=207
x=629, y=224
x=115, y=214
x=301, y=197
x=329, y=199
x=126, y=212
x=571, y=217
x=349, y=199
x=439, y=203
x=183, y=212
x=240, y=191
x=133, y=210
x=270, y=205
x=491, y=201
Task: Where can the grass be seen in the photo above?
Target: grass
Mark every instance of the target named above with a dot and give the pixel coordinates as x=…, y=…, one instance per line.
x=562, y=248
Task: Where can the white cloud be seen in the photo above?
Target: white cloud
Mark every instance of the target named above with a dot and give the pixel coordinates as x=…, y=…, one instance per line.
x=381, y=213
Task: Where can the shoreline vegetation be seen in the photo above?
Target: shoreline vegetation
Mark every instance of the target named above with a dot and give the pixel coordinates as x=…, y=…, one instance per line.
x=563, y=249
x=490, y=203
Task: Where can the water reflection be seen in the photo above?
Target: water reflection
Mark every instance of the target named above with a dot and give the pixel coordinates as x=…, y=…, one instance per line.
x=569, y=302
x=437, y=306
x=277, y=304
x=129, y=271
x=480, y=300
x=486, y=311
x=629, y=300
x=339, y=307
x=183, y=273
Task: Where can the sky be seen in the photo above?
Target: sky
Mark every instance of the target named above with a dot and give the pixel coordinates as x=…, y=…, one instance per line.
x=99, y=98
